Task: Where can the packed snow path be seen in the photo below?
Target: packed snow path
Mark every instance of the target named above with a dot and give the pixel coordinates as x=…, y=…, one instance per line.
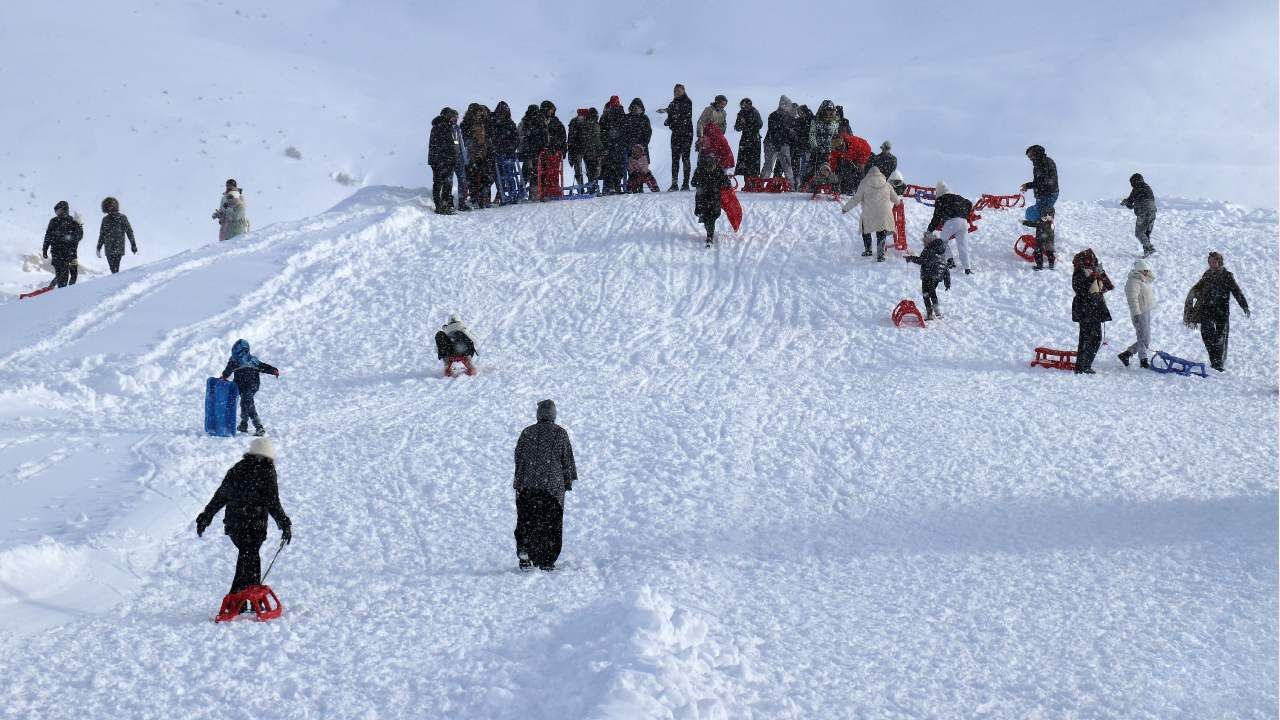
x=786, y=506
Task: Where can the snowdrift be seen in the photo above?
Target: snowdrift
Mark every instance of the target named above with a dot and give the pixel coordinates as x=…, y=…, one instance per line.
x=787, y=507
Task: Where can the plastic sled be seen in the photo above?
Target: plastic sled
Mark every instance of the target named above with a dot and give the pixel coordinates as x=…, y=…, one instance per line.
x=827, y=190
x=550, y=168
x=1055, y=359
x=732, y=208
x=1176, y=365
x=922, y=194
x=973, y=221
x=906, y=309
x=899, y=228
x=262, y=602
x=759, y=184
x=1000, y=202
x=463, y=360
x=1025, y=247
x=220, y=398
x=34, y=293
x=511, y=188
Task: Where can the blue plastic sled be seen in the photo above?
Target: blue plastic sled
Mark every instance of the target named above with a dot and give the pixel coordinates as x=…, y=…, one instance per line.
x=1176, y=365
x=220, y=397
x=511, y=188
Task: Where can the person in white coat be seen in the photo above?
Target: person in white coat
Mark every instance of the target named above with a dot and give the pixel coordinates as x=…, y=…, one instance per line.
x=231, y=217
x=1142, y=301
x=877, y=198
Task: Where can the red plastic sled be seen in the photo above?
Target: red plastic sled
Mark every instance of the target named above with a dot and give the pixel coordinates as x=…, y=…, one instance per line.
x=1025, y=247
x=732, y=208
x=549, y=168
x=759, y=184
x=463, y=359
x=262, y=600
x=1055, y=359
x=34, y=293
x=906, y=309
x=899, y=228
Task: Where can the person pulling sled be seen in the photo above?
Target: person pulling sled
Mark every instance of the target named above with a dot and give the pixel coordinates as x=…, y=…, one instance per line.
x=715, y=167
x=933, y=270
x=454, y=344
x=245, y=368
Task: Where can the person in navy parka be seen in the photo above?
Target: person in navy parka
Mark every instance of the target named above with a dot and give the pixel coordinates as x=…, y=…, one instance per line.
x=244, y=368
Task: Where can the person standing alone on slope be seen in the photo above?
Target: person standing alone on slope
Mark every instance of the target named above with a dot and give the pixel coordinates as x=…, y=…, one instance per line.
x=1142, y=201
x=231, y=217
x=545, y=471
x=246, y=368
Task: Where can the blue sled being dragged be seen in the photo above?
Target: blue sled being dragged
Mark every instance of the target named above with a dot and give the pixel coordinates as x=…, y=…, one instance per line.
x=220, y=397
x=1164, y=363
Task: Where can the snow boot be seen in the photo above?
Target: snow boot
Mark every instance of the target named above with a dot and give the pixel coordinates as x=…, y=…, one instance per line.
x=1148, y=251
x=1038, y=267
x=525, y=563
x=866, y=253
x=685, y=187
x=549, y=567
x=1124, y=357
x=673, y=187
x=259, y=431
x=928, y=316
x=967, y=271
x=711, y=236
x=1144, y=364
x=243, y=426
x=951, y=264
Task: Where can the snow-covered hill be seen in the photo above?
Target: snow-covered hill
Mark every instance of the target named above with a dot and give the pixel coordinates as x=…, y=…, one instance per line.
x=158, y=103
x=788, y=508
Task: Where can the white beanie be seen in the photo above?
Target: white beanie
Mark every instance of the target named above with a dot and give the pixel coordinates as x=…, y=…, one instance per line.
x=897, y=177
x=455, y=317
x=262, y=446
x=941, y=189
x=1141, y=265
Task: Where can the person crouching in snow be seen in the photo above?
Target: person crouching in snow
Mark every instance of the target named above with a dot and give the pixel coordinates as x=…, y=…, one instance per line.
x=638, y=174
x=245, y=368
x=1142, y=300
x=545, y=471
x=715, y=167
x=933, y=270
x=951, y=218
x=454, y=344
x=250, y=492
x=877, y=199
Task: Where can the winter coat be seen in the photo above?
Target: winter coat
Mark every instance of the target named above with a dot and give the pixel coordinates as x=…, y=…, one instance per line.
x=1211, y=296
x=680, y=118
x=1138, y=292
x=584, y=138
x=638, y=163
x=1088, y=305
x=933, y=262
x=246, y=369
x=1141, y=200
x=877, y=198
x=555, y=135
x=886, y=161
x=636, y=130
x=62, y=238
x=250, y=492
x=504, y=136
x=947, y=207
x=231, y=216
x=611, y=133
x=533, y=133
x=1044, y=175
x=823, y=131
x=712, y=115
x=779, y=132
x=111, y=235
x=544, y=456
x=443, y=151
x=748, y=123
x=800, y=132
x=460, y=342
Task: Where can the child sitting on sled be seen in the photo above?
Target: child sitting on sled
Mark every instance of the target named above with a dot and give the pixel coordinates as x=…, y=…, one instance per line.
x=454, y=344
x=824, y=179
x=638, y=174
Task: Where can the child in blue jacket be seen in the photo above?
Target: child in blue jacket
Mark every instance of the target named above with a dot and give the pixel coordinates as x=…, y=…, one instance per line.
x=246, y=368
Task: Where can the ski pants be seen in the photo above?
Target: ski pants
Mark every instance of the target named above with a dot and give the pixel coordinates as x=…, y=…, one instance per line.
x=442, y=187
x=779, y=155
x=929, y=289
x=65, y=271
x=880, y=237
x=636, y=183
x=799, y=166
x=1090, y=341
x=249, y=411
x=113, y=262
x=1044, y=248
x=248, y=562
x=1142, y=327
x=1044, y=203
x=957, y=229
x=539, y=526
x=1215, y=331
x=1142, y=230
x=460, y=173
x=681, y=146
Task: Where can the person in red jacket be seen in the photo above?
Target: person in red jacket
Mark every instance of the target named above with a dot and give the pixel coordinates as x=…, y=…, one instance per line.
x=849, y=156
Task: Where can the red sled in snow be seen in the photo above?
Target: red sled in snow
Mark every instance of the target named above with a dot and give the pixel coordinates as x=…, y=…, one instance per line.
x=1025, y=247
x=550, y=168
x=1000, y=202
x=757, y=184
x=34, y=293
x=906, y=309
x=899, y=227
x=826, y=189
x=261, y=599
x=1054, y=359
x=463, y=360
x=731, y=207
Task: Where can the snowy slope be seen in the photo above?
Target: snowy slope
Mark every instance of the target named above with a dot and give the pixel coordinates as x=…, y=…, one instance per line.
x=158, y=103
x=787, y=507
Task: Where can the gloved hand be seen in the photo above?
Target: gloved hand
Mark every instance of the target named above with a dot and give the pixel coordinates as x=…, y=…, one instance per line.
x=44, y=254
x=1024, y=186
x=135, y=249
x=277, y=372
x=99, y=252
x=568, y=486
x=1246, y=312
x=286, y=533
x=202, y=522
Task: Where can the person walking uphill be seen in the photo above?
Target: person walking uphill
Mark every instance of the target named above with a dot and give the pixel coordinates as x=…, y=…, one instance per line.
x=715, y=167
x=250, y=492
x=1044, y=181
x=1142, y=201
x=1209, y=306
x=877, y=199
x=245, y=369
x=113, y=232
x=545, y=471
x=748, y=123
x=231, y=217
x=1141, y=300
x=1088, y=307
x=443, y=151
x=679, y=114
x=62, y=237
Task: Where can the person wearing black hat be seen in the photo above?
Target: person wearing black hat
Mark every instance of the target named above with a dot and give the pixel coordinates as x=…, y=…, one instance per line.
x=62, y=237
x=1142, y=201
x=1044, y=181
x=749, y=124
x=1208, y=305
x=545, y=471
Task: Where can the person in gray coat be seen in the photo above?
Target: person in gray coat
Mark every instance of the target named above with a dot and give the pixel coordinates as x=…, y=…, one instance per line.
x=114, y=231
x=1142, y=201
x=544, y=472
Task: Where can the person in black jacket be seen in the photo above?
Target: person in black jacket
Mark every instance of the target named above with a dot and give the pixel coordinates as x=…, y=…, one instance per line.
x=1044, y=181
x=480, y=155
x=250, y=492
x=615, y=148
x=533, y=140
x=544, y=472
x=62, y=237
x=1088, y=307
x=951, y=220
x=800, y=147
x=884, y=160
x=246, y=368
x=1209, y=305
x=556, y=139
x=636, y=129
x=455, y=344
x=749, y=124
x=443, y=153
x=1142, y=201
x=933, y=270
x=113, y=232
x=504, y=137
x=777, y=139
x=679, y=114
